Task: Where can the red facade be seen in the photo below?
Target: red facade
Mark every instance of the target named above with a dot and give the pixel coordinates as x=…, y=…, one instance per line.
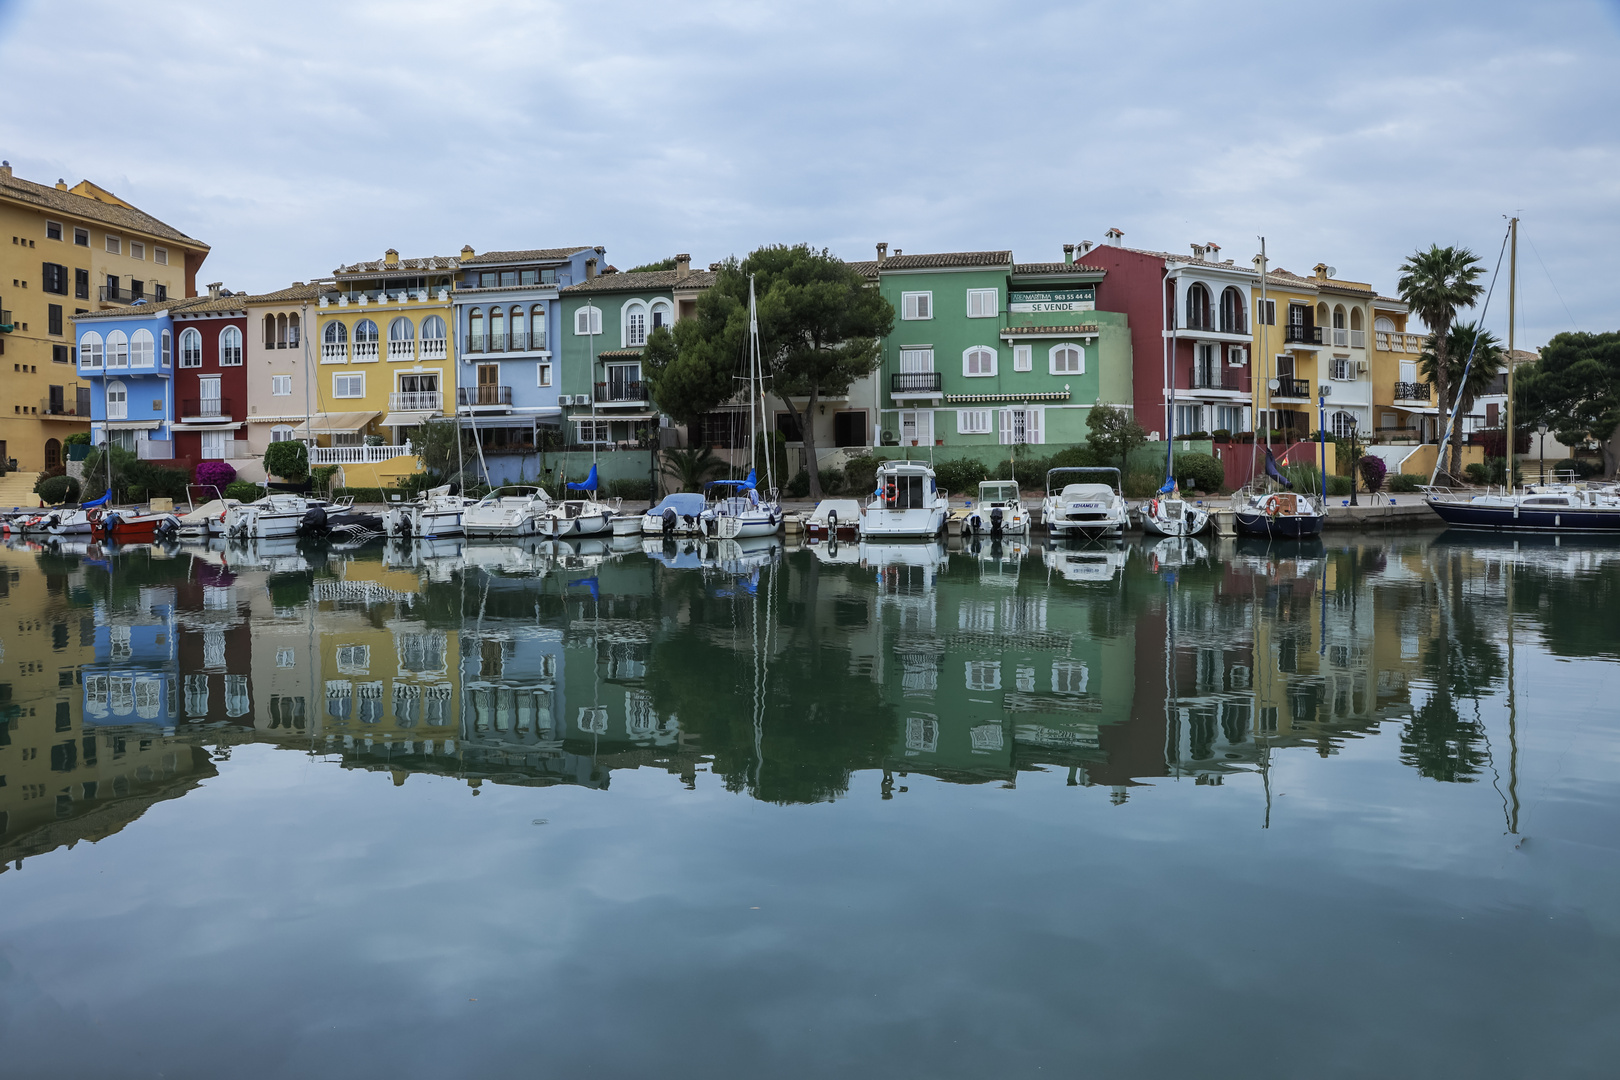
x=1135, y=285
x=210, y=384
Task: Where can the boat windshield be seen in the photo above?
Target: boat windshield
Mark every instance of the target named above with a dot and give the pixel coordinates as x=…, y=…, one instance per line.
x=998, y=491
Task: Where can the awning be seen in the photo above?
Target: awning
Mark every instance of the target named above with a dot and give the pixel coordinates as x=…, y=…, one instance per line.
x=499, y=420
x=130, y=425
x=294, y=419
x=207, y=427
x=1424, y=410
x=327, y=423
x=585, y=418
x=408, y=419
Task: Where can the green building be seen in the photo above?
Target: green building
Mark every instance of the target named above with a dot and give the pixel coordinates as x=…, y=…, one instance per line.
x=988, y=353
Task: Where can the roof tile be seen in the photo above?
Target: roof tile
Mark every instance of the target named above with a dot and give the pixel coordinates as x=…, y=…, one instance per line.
x=81, y=206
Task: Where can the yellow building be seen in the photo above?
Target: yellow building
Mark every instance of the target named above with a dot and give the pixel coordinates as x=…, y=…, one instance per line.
x=1404, y=406
x=1311, y=334
x=386, y=362
x=67, y=251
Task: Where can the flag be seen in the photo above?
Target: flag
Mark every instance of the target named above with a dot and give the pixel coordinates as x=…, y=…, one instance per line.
x=1274, y=472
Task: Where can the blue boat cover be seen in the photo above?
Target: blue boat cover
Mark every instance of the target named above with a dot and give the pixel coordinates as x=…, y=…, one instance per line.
x=684, y=503
x=589, y=483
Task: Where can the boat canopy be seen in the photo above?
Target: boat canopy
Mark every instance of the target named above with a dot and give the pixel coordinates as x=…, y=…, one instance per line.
x=1077, y=470
x=684, y=503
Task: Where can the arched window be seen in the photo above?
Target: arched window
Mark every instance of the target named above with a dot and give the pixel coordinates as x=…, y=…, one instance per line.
x=335, y=333
x=519, y=341
x=230, y=347
x=979, y=362
x=365, y=340
x=271, y=337
x=117, y=350
x=1067, y=359
x=141, y=348
x=432, y=328
x=90, y=350
x=292, y=329
x=662, y=314
x=1338, y=317
x=1343, y=424
x=190, y=348
x=497, y=329
x=1321, y=315
x=1384, y=325
x=475, y=330
x=635, y=324
x=588, y=320
x=281, y=433
x=117, y=401
x=1355, y=318
x=401, y=339
x=537, y=327
x=1232, y=320
x=1198, y=308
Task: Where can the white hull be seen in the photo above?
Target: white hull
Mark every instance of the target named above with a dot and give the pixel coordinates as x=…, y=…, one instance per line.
x=474, y=529
x=922, y=523
x=629, y=525
x=1190, y=521
x=257, y=526
x=555, y=527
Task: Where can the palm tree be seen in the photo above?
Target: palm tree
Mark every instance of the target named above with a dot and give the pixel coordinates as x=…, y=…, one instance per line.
x=1490, y=360
x=690, y=468
x=1434, y=284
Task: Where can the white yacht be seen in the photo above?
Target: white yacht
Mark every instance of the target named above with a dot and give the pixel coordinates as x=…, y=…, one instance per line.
x=680, y=513
x=279, y=513
x=1000, y=510
x=907, y=504
x=435, y=513
x=513, y=510
x=833, y=520
x=736, y=511
x=1075, y=507
x=577, y=517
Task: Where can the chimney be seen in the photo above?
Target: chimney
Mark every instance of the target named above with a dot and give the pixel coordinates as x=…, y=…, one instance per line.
x=1321, y=271
x=1214, y=250
x=1113, y=236
x=61, y=184
x=1198, y=252
x=883, y=251
x=390, y=257
x=590, y=269
x=714, y=268
x=466, y=253
x=897, y=253
x=213, y=289
x=1085, y=247
x=683, y=267
x=1068, y=254
x=5, y=168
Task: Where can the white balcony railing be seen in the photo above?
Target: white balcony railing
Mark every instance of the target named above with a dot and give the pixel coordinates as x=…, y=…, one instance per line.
x=335, y=353
x=434, y=349
x=1358, y=339
x=365, y=350
x=1391, y=341
x=1341, y=338
x=402, y=350
x=415, y=401
x=355, y=455
x=230, y=450
x=153, y=450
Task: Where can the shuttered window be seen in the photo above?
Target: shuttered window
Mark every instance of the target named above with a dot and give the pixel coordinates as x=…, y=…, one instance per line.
x=973, y=421
x=1023, y=357
x=917, y=305
x=983, y=303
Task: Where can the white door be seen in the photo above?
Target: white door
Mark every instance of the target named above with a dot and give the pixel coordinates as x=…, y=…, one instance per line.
x=917, y=424
x=208, y=392
x=213, y=445
x=916, y=360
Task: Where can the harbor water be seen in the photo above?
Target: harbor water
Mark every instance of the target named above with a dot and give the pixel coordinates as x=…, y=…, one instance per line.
x=629, y=808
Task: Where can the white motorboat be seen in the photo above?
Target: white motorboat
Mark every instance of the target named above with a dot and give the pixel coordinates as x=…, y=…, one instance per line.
x=68, y=521
x=1174, y=552
x=1168, y=514
x=513, y=510
x=833, y=520
x=1075, y=506
x=435, y=513
x=278, y=514
x=207, y=519
x=678, y=514
x=736, y=511
x=1000, y=510
x=908, y=504
x=627, y=526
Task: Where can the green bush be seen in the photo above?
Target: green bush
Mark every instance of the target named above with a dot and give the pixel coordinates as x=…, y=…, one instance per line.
x=1201, y=472
x=243, y=490
x=1477, y=473
x=631, y=490
x=1074, y=457
x=321, y=476
x=1405, y=483
x=78, y=438
x=1582, y=468
x=960, y=476
x=860, y=475
x=142, y=480
x=832, y=481
x=799, y=486
x=1030, y=472
x=413, y=485
x=1338, y=486
x=288, y=460
x=59, y=489
x=1141, y=485
x=1221, y=435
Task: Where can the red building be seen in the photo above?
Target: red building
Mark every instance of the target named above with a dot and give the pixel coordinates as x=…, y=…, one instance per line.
x=1190, y=330
x=210, y=379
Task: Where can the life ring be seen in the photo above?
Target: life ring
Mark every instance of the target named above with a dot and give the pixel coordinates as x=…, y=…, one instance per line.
x=889, y=492
x=1271, y=506
x=1153, y=508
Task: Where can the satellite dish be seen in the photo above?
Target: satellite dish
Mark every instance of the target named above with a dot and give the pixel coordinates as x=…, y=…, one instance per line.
x=1274, y=383
x=1333, y=271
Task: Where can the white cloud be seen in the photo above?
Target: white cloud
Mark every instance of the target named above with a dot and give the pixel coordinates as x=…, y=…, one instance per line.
x=299, y=136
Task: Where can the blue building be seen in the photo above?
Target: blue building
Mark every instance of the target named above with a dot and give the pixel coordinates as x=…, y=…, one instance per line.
x=126, y=355
x=507, y=324
x=133, y=677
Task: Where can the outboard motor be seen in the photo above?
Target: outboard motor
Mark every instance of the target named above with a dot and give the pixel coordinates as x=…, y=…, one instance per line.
x=995, y=521
x=166, y=528
x=314, y=522
x=668, y=519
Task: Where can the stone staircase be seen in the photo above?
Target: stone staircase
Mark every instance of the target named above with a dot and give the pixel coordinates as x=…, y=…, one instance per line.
x=17, y=489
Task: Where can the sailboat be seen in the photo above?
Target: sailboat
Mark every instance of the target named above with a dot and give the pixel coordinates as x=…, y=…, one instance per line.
x=736, y=508
x=1167, y=513
x=572, y=517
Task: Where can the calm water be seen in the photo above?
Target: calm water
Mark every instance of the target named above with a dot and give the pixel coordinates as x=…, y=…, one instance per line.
x=1142, y=811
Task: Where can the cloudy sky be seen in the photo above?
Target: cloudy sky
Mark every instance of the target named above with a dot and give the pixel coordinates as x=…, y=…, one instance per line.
x=296, y=136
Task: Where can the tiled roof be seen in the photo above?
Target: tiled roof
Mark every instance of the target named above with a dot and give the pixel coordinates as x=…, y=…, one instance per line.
x=618, y=354
x=947, y=259
x=532, y=253
x=1056, y=268
x=867, y=268
x=647, y=279
x=148, y=310
x=206, y=305
x=381, y=266
x=70, y=204
x=292, y=294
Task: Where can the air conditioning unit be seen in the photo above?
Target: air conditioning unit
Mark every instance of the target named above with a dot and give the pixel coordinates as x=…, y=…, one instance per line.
x=1361, y=368
x=565, y=399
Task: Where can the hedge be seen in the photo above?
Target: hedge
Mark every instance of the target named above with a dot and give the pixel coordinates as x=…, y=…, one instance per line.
x=56, y=490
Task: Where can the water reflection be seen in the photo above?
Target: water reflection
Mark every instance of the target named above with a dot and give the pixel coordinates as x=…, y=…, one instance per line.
x=785, y=674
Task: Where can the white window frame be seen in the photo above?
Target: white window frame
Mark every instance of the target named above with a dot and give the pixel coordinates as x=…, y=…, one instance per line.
x=282, y=433
x=660, y=313
x=1266, y=310
x=1034, y=422
x=633, y=324
x=601, y=428
x=973, y=421
x=916, y=361
x=137, y=250
x=160, y=255
x=190, y=357
x=977, y=306
x=1341, y=430
x=339, y=379
x=1237, y=356
x=979, y=350
x=542, y=374
x=117, y=350
x=1341, y=369
x=1052, y=359
x=117, y=401
x=59, y=230
x=115, y=244
x=90, y=347
x=230, y=347
x=922, y=421
x=1023, y=357
x=281, y=386
x=165, y=347
x=982, y=675
x=142, y=349
x=916, y=306
x=588, y=321
x=213, y=445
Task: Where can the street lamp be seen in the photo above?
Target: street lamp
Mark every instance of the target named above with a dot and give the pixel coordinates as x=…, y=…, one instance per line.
x=1541, y=430
x=1355, y=457
x=1322, y=393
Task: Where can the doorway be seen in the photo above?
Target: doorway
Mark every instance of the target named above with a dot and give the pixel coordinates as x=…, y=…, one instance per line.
x=53, y=453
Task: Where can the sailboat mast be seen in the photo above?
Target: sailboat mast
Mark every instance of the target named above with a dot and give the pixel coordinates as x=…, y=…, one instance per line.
x=1513, y=296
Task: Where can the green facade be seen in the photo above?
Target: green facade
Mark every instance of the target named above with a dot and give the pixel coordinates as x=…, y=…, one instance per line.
x=601, y=373
x=1047, y=361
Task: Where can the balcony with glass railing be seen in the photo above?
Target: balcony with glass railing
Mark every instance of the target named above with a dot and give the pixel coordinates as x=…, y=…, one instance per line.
x=1217, y=377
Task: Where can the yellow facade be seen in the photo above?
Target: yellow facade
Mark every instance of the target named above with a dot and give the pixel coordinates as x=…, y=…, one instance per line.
x=108, y=252
x=1313, y=334
x=1403, y=404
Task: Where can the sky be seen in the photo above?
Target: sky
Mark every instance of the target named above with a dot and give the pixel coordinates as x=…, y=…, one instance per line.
x=297, y=136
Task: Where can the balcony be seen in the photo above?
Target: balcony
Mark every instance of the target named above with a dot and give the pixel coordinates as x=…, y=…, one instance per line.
x=1412, y=391
x=114, y=294
x=207, y=408
x=1394, y=341
x=290, y=343
x=415, y=401
x=1358, y=339
x=1293, y=388
x=474, y=396
x=229, y=450
x=1296, y=334
x=6, y=325
x=335, y=352
x=1218, y=378
x=915, y=382
x=627, y=392
x=433, y=349
x=153, y=450
x=365, y=351
x=519, y=342
x=355, y=455
x=400, y=351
